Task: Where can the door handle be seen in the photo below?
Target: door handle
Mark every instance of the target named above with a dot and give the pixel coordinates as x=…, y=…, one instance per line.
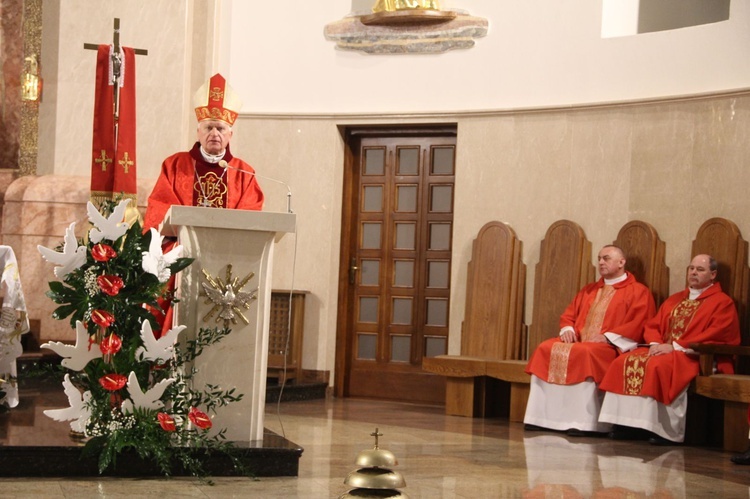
x=353, y=271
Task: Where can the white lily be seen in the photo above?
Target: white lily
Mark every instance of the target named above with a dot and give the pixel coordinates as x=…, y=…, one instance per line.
x=155, y=262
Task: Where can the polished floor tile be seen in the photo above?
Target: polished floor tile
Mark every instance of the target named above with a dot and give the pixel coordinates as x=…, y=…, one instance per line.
x=439, y=457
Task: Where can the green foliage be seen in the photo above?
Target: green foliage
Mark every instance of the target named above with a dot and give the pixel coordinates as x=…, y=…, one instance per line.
x=110, y=431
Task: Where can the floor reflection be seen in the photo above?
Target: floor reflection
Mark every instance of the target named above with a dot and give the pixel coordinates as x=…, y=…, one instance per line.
x=26, y=424
x=439, y=456
x=561, y=466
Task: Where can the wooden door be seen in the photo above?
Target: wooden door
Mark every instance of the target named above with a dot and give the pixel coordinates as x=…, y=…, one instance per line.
x=395, y=262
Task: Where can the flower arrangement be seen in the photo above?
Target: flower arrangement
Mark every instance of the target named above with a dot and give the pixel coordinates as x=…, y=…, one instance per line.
x=129, y=389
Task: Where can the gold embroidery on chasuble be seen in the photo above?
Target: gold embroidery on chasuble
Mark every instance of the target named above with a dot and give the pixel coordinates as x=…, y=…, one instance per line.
x=595, y=316
x=560, y=354
x=680, y=319
x=635, y=373
x=211, y=190
x=558, y=363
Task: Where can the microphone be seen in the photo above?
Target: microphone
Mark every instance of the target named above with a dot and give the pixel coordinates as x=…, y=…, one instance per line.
x=223, y=163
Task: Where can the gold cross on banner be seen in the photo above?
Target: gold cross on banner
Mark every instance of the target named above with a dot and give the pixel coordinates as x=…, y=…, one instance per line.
x=104, y=160
x=126, y=162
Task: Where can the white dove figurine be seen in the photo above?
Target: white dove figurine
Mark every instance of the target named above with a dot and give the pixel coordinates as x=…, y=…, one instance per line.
x=155, y=262
x=72, y=256
x=75, y=357
x=157, y=350
x=112, y=227
x=79, y=411
x=139, y=400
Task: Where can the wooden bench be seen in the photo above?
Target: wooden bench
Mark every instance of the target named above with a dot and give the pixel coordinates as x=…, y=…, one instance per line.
x=561, y=273
x=493, y=322
x=721, y=239
x=732, y=389
x=564, y=267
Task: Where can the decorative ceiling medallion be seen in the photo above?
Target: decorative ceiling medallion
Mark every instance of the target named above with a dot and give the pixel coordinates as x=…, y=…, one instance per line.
x=227, y=296
x=403, y=17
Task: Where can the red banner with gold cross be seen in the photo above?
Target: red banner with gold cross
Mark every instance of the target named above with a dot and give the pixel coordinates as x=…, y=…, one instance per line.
x=113, y=163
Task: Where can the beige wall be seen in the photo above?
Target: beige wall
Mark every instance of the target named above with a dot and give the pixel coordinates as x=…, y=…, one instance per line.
x=537, y=53
x=179, y=36
x=673, y=164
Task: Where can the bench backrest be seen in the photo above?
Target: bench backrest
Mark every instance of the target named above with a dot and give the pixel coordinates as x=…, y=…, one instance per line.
x=495, y=286
x=564, y=267
x=721, y=238
x=646, y=257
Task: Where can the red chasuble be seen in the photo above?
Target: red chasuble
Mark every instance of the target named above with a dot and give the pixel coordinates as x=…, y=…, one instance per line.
x=712, y=318
x=187, y=180
x=624, y=312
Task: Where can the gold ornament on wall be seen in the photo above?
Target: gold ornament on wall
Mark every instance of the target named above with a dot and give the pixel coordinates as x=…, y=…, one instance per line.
x=227, y=296
x=31, y=82
x=414, y=12
x=394, y=5
x=406, y=27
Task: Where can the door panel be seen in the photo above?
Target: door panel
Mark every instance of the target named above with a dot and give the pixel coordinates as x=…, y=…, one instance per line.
x=397, y=247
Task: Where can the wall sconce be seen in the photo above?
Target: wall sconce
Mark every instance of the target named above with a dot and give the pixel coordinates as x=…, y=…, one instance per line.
x=31, y=82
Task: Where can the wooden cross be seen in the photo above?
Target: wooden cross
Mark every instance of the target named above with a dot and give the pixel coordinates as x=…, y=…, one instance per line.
x=116, y=68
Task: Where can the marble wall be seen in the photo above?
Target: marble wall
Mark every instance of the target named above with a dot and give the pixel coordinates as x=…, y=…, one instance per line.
x=179, y=38
x=671, y=162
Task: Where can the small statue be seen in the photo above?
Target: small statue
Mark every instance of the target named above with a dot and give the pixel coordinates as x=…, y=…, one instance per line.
x=395, y=5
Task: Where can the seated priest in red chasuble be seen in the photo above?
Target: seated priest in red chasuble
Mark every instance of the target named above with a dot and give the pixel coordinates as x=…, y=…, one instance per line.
x=604, y=319
x=207, y=175
x=647, y=388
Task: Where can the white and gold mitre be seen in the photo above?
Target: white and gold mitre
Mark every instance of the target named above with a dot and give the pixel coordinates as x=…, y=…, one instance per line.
x=216, y=100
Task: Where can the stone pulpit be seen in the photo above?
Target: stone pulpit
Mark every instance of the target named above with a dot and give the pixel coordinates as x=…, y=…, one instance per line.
x=229, y=284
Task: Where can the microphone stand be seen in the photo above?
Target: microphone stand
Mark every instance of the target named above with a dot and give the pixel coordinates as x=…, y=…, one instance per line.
x=223, y=164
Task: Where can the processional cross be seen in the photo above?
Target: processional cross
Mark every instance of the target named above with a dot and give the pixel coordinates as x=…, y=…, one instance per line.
x=116, y=69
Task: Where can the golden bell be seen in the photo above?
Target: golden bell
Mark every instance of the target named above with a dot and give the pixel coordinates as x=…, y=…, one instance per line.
x=375, y=478
x=373, y=494
x=376, y=458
